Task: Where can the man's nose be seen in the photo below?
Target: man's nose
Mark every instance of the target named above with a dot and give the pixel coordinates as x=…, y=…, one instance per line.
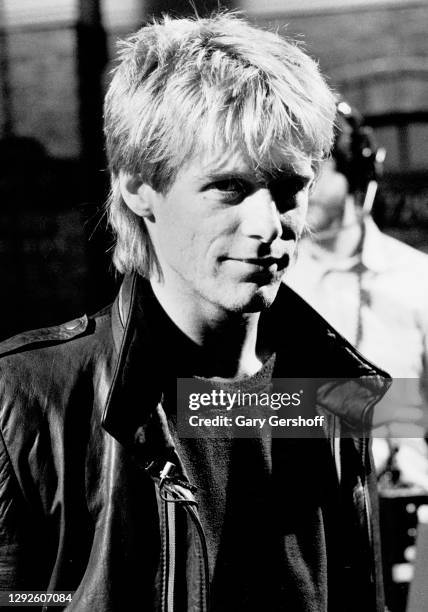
x=261, y=218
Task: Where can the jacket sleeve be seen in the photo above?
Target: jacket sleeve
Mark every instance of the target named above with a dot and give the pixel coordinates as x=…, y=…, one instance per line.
x=12, y=537
x=31, y=494
x=25, y=547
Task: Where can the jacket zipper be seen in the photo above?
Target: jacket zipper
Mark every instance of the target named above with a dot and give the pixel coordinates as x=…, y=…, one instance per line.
x=173, y=491
x=205, y=584
x=168, y=556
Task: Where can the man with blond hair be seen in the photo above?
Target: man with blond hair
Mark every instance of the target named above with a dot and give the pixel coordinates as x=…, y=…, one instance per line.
x=215, y=130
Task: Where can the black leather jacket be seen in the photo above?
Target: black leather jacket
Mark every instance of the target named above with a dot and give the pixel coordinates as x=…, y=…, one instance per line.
x=87, y=498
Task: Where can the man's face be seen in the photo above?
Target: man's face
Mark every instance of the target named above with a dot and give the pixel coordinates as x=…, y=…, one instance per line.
x=327, y=200
x=223, y=236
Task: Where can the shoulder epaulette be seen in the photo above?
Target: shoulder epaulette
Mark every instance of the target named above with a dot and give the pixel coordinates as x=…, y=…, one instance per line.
x=46, y=335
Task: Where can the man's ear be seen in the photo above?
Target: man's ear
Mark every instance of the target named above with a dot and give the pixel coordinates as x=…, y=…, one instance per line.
x=137, y=195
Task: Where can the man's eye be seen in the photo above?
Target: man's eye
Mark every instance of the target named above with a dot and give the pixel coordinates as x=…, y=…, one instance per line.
x=284, y=192
x=230, y=189
x=288, y=187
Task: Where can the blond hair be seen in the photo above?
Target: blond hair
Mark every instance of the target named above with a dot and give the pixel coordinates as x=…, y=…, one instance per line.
x=186, y=85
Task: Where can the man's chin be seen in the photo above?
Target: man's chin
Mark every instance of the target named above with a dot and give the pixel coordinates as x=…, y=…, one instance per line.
x=257, y=299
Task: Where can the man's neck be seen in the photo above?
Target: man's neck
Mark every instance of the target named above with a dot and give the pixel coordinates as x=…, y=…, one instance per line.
x=229, y=340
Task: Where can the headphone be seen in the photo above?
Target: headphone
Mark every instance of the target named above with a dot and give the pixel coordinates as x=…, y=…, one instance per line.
x=355, y=151
x=359, y=159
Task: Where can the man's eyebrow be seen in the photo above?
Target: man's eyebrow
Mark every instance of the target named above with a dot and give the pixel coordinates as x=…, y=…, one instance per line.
x=225, y=175
x=291, y=175
x=257, y=176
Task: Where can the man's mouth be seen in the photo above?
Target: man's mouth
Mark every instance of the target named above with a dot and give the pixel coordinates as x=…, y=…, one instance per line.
x=265, y=263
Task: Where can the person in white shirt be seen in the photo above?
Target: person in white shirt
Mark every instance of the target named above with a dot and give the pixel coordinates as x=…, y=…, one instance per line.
x=373, y=289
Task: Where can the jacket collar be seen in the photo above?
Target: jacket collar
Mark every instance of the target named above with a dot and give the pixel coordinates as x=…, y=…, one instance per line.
x=306, y=347
x=136, y=387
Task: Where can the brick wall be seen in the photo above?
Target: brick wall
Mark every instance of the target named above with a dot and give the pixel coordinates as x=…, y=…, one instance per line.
x=370, y=38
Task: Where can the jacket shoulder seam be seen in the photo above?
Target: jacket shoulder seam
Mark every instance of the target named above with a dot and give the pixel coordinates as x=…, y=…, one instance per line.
x=45, y=336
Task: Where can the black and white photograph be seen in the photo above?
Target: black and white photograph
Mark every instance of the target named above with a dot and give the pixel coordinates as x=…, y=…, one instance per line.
x=214, y=305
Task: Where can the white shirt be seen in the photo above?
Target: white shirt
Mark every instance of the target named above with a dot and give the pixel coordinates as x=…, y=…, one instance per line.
x=392, y=303
x=379, y=298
